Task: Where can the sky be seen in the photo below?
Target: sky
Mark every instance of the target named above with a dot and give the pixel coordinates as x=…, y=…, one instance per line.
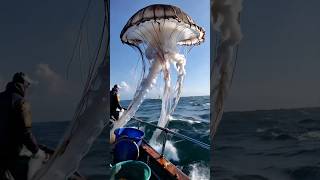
x=278, y=60
x=124, y=59
x=37, y=37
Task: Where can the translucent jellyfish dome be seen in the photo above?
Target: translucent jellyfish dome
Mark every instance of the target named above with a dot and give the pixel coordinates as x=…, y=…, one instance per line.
x=159, y=23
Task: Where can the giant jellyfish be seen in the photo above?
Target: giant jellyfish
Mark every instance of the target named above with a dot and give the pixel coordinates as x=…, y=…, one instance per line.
x=162, y=34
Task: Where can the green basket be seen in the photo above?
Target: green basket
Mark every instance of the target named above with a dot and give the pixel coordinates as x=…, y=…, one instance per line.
x=130, y=170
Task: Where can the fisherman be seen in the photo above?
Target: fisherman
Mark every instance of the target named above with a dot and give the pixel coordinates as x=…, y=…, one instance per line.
x=115, y=102
x=15, y=129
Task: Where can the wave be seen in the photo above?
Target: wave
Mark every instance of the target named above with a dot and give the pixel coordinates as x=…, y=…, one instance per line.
x=205, y=116
x=274, y=134
x=193, y=103
x=309, y=121
x=250, y=177
x=199, y=172
x=190, y=121
x=310, y=124
x=315, y=151
x=312, y=135
x=170, y=152
x=206, y=104
x=305, y=173
x=223, y=148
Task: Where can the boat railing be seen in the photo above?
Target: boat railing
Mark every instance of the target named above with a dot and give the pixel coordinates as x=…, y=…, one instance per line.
x=168, y=131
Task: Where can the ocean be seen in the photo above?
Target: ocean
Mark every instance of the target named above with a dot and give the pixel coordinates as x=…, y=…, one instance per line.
x=190, y=118
x=253, y=145
x=279, y=144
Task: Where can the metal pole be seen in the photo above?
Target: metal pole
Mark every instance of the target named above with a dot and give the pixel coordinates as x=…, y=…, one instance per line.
x=201, y=144
x=164, y=144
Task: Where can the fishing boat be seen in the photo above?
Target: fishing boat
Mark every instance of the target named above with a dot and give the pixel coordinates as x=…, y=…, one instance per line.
x=131, y=145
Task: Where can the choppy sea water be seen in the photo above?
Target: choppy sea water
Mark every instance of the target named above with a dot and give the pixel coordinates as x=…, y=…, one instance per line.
x=268, y=145
x=190, y=118
x=254, y=145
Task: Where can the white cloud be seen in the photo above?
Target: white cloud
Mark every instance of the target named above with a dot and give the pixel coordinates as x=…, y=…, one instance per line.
x=125, y=86
x=55, y=83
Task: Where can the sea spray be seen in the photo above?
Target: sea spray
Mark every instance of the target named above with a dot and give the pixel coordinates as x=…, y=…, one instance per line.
x=170, y=151
x=199, y=172
x=311, y=135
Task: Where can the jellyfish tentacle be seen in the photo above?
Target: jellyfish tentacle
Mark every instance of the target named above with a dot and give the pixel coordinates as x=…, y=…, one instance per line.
x=145, y=86
x=170, y=98
x=180, y=63
x=166, y=98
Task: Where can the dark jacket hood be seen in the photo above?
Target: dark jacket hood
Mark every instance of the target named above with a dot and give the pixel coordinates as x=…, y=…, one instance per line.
x=114, y=90
x=16, y=87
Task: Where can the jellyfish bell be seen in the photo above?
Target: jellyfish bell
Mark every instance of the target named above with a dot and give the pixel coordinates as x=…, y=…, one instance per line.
x=159, y=31
x=166, y=25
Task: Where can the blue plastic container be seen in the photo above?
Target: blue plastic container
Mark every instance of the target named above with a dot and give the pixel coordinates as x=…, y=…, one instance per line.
x=131, y=133
x=125, y=149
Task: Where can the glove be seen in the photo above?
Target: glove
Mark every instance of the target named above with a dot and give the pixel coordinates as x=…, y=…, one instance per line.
x=36, y=162
x=40, y=154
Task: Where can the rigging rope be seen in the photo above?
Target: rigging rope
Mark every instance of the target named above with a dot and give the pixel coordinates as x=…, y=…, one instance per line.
x=78, y=41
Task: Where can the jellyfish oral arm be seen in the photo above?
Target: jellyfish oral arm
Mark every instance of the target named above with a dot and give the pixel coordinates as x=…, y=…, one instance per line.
x=180, y=64
x=170, y=98
x=165, y=107
x=145, y=86
x=226, y=20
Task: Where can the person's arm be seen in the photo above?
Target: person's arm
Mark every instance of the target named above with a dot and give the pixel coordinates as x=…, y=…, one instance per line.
x=24, y=117
x=118, y=103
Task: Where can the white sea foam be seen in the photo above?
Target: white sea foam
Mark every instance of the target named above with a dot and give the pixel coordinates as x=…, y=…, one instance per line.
x=312, y=135
x=260, y=130
x=171, y=118
x=192, y=121
x=206, y=104
x=170, y=151
x=199, y=172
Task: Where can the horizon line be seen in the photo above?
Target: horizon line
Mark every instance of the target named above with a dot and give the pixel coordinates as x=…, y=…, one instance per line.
x=232, y=111
x=160, y=98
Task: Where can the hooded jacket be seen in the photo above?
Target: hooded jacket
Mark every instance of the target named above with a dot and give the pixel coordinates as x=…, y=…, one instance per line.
x=114, y=101
x=15, y=121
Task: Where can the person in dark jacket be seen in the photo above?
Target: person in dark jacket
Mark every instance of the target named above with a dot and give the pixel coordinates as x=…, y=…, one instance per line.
x=15, y=127
x=115, y=102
